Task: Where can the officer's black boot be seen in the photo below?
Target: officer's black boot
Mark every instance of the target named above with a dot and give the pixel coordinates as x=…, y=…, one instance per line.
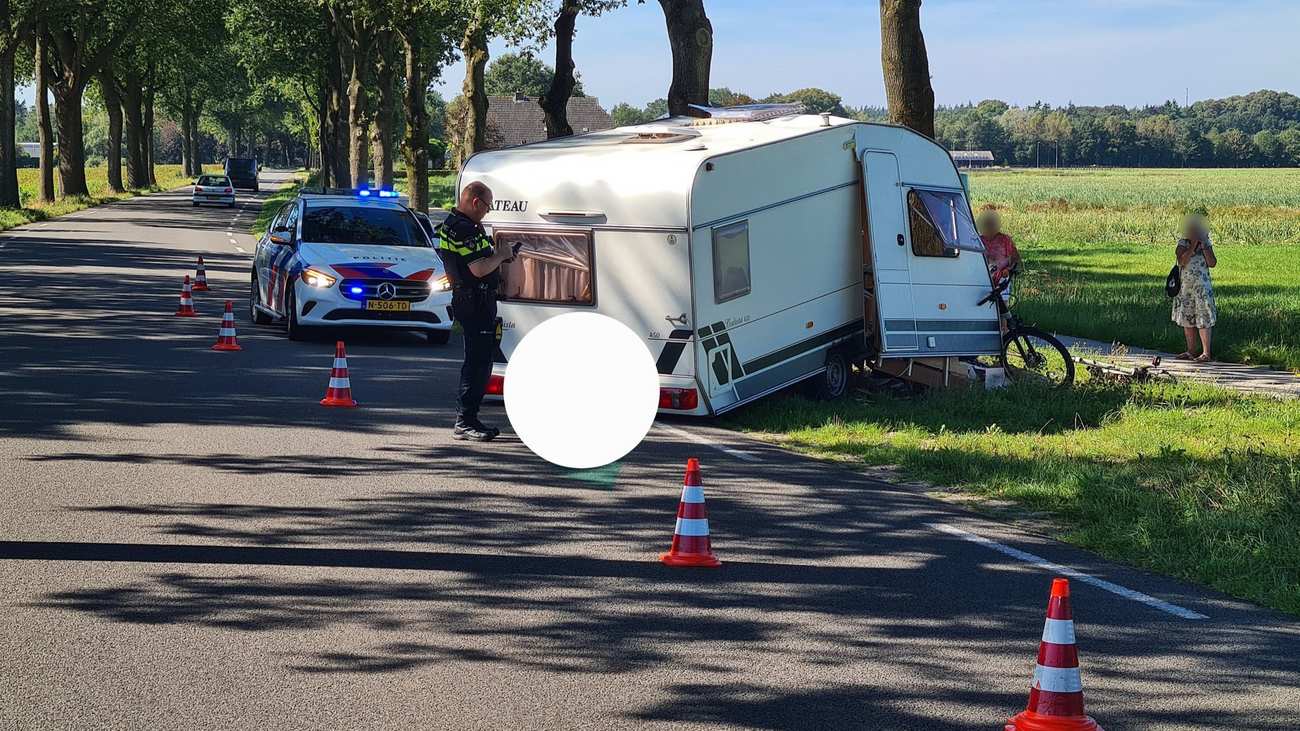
x=470, y=428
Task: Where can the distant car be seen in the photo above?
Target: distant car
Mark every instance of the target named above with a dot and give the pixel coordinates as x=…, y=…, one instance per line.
x=359, y=259
x=242, y=172
x=214, y=189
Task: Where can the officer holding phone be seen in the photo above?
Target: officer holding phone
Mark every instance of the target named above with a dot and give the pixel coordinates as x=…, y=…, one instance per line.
x=472, y=265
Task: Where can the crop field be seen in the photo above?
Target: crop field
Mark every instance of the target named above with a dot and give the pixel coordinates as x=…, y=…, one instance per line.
x=1098, y=243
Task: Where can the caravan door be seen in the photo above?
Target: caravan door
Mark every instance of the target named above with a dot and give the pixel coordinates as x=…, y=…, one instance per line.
x=887, y=223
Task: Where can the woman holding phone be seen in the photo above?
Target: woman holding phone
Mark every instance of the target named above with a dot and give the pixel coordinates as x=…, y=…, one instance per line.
x=1194, y=308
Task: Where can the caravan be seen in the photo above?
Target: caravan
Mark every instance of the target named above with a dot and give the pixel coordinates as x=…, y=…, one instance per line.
x=752, y=249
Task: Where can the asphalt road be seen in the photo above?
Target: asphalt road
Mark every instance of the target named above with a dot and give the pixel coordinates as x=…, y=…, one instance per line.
x=190, y=541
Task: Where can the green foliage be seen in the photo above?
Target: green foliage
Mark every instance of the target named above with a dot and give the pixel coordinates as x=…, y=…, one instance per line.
x=625, y=115
x=815, y=101
x=1187, y=480
x=521, y=73
x=1262, y=128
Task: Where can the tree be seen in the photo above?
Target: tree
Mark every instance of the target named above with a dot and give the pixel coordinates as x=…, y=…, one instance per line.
x=15, y=20
x=1290, y=141
x=724, y=97
x=1268, y=147
x=690, y=36
x=814, y=101
x=906, y=66
x=564, y=81
x=518, y=73
x=428, y=45
x=45, y=189
x=625, y=115
x=81, y=36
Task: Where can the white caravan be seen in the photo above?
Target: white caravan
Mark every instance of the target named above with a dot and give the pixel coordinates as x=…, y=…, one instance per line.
x=751, y=250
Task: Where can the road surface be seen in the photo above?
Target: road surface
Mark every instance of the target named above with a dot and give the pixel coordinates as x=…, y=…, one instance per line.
x=190, y=541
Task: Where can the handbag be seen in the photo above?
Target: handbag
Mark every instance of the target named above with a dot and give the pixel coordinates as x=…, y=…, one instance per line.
x=1174, y=282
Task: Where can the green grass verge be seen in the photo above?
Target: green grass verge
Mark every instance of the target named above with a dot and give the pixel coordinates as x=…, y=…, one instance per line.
x=442, y=188
x=1186, y=480
x=271, y=205
x=168, y=176
x=1098, y=243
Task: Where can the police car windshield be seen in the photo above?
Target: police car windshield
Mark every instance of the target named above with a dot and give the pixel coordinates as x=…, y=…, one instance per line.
x=361, y=225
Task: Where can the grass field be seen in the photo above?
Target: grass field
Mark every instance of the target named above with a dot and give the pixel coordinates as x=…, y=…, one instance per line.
x=442, y=188
x=1186, y=480
x=1098, y=243
x=168, y=176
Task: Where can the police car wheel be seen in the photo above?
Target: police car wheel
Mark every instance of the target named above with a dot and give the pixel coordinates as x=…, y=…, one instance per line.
x=257, y=316
x=833, y=382
x=295, y=330
x=438, y=337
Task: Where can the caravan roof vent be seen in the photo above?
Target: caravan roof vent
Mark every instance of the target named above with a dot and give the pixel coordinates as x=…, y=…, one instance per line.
x=744, y=113
x=651, y=135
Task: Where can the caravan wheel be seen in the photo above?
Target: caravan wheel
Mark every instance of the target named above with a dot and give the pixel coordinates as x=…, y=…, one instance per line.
x=833, y=382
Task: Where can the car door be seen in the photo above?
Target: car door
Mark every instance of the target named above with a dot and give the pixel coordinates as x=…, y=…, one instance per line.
x=262, y=257
x=281, y=257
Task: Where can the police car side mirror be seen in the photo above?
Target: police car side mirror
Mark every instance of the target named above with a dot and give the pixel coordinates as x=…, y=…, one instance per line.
x=280, y=237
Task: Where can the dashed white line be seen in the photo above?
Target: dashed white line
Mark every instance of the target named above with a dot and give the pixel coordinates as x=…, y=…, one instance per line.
x=738, y=454
x=1075, y=574
x=240, y=250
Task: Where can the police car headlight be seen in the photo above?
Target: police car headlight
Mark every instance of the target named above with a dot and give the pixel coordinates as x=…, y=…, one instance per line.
x=318, y=279
x=441, y=284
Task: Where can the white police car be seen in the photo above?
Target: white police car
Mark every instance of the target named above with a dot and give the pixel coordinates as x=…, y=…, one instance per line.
x=348, y=259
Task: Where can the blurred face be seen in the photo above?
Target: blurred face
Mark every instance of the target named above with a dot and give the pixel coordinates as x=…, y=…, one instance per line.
x=990, y=224
x=477, y=207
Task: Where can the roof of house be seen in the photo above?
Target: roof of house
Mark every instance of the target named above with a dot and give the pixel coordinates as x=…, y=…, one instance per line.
x=518, y=120
x=972, y=155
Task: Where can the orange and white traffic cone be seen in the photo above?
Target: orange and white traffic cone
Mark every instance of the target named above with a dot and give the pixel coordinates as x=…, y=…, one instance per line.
x=186, y=308
x=691, y=545
x=226, y=339
x=1056, y=695
x=201, y=278
x=339, y=392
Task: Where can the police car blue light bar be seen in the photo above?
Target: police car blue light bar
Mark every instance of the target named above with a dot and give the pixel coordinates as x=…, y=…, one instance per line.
x=377, y=193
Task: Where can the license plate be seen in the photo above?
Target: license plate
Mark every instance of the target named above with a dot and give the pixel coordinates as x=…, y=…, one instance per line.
x=388, y=305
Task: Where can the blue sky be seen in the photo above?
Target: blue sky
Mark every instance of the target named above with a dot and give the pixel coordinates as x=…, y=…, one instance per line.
x=1129, y=52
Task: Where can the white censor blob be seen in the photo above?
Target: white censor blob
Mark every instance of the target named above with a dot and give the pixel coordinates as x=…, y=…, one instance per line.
x=581, y=390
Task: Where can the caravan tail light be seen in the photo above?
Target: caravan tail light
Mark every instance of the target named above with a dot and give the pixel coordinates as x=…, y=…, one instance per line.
x=680, y=399
x=497, y=385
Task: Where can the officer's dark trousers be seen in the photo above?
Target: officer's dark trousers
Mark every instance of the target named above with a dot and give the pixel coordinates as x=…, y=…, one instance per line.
x=476, y=311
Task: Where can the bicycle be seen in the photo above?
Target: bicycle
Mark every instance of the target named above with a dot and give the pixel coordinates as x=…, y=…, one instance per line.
x=1028, y=354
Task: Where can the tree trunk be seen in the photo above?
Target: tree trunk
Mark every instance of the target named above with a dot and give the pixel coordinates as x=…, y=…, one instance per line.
x=45, y=133
x=385, y=111
x=690, y=35
x=132, y=96
x=146, y=141
x=196, y=156
x=555, y=102
x=906, y=67
x=187, y=168
x=325, y=133
x=68, y=89
x=415, y=147
x=474, y=48
x=113, y=105
x=8, y=148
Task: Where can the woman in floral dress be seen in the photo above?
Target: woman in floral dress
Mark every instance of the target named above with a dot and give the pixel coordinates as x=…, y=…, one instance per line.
x=1194, y=308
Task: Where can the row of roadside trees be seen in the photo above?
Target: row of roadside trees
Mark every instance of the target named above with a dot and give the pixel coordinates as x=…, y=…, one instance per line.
x=350, y=79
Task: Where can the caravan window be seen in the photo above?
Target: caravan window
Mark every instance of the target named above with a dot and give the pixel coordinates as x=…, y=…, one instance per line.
x=554, y=267
x=941, y=224
x=730, y=261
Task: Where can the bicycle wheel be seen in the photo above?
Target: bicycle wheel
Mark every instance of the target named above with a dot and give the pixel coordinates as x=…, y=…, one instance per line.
x=1029, y=354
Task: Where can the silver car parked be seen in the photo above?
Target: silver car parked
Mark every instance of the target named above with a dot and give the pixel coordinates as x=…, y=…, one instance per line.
x=214, y=189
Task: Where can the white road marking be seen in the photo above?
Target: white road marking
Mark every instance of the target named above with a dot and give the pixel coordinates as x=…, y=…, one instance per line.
x=1075, y=574
x=744, y=456
x=240, y=250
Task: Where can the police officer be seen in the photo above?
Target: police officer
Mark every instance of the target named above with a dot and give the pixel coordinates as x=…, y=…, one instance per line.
x=472, y=262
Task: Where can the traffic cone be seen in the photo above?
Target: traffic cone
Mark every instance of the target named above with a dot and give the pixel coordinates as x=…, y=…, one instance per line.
x=691, y=536
x=226, y=339
x=201, y=278
x=186, y=308
x=1056, y=694
x=339, y=392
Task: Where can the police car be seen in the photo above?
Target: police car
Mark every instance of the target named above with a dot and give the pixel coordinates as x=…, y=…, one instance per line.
x=350, y=259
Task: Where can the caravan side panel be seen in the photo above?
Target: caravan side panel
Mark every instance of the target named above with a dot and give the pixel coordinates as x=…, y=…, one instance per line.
x=792, y=207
